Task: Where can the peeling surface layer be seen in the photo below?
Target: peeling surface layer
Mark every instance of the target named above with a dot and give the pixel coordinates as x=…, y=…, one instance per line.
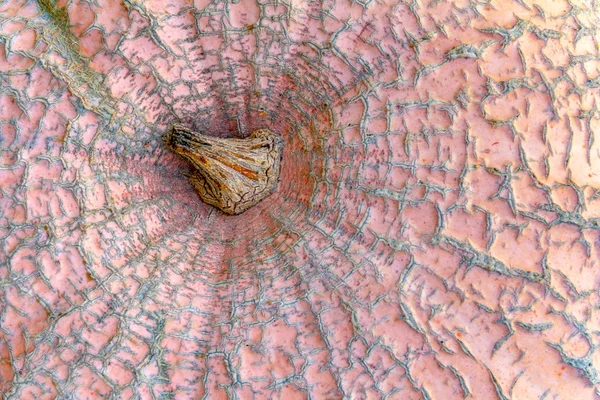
x=435, y=233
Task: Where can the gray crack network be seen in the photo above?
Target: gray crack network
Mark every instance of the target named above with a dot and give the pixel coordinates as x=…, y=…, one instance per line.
x=434, y=234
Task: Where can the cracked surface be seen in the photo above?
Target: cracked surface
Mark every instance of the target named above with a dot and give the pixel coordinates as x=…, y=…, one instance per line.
x=435, y=234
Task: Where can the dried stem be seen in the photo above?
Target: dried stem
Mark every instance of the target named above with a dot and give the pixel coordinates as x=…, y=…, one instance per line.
x=231, y=174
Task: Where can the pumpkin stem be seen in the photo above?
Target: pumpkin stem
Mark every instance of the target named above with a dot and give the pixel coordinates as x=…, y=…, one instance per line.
x=230, y=174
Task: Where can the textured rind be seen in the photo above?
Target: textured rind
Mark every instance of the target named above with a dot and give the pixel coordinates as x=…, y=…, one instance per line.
x=435, y=233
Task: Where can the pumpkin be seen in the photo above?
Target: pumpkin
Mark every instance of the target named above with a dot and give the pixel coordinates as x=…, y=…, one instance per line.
x=434, y=233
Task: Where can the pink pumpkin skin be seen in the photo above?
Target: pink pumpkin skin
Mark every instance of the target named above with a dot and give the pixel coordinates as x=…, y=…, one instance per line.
x=435, y=234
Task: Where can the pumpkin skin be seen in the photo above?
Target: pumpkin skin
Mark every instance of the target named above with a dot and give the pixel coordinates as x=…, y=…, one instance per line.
x=435, y=232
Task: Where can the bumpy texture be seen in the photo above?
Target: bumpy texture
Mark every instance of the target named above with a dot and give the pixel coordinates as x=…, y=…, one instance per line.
x=435, y=234
x=231, y=174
